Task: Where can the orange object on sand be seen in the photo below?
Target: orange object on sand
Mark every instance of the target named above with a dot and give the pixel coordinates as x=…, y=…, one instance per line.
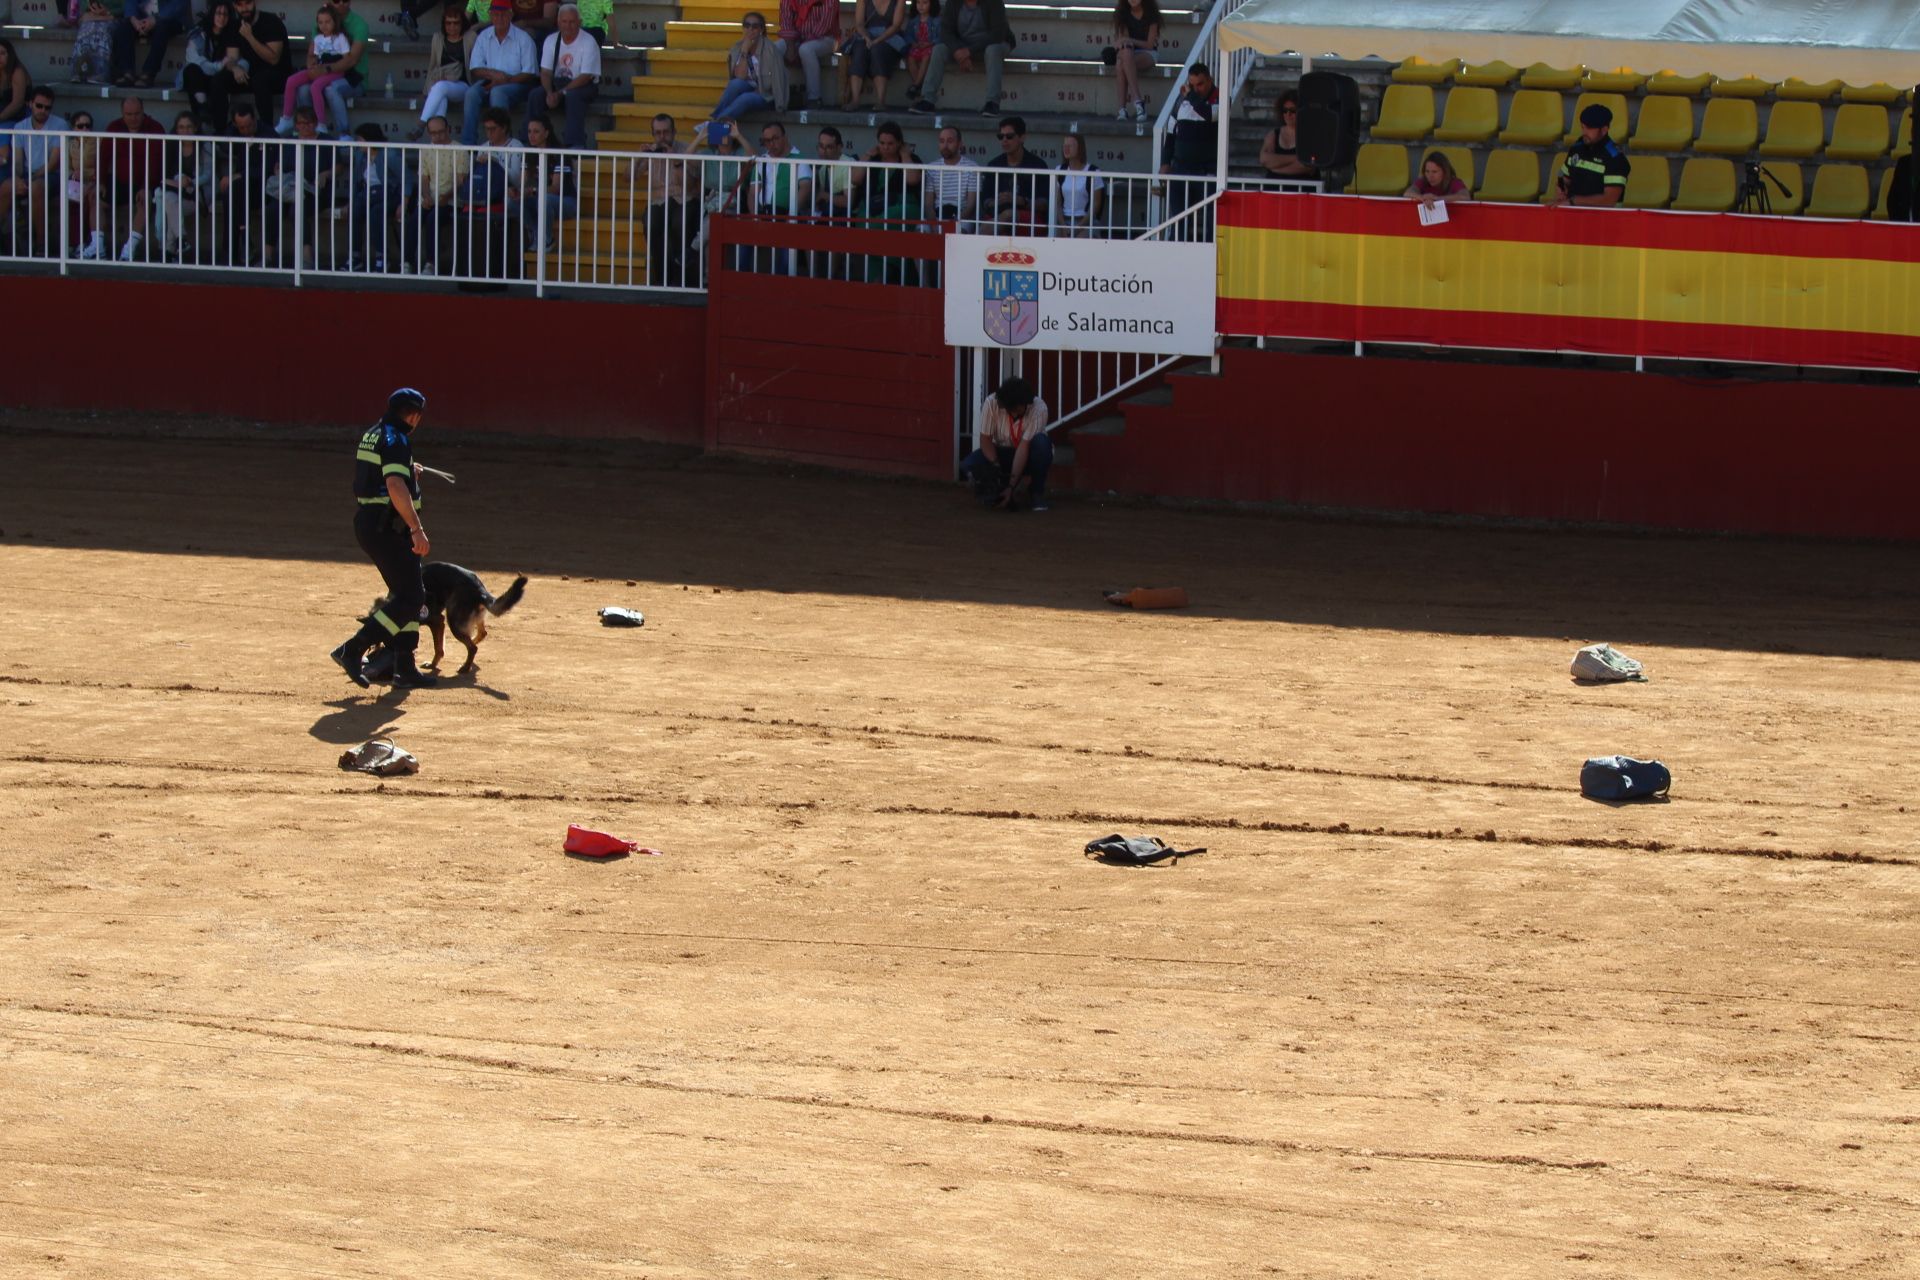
x=1150, y=598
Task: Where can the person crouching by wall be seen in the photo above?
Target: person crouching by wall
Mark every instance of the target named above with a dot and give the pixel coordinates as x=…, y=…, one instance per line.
x=1012, y=452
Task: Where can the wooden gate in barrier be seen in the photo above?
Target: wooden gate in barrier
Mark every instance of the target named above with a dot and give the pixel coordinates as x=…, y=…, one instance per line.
x=838, y=372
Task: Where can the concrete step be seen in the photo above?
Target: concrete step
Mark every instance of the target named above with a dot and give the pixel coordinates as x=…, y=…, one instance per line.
x=589, y=268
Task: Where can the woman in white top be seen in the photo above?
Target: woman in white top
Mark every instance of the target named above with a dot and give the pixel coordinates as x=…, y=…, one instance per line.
x=1083, y=192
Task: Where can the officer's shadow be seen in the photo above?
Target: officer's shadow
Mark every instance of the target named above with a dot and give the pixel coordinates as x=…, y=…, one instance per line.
x=360, y=717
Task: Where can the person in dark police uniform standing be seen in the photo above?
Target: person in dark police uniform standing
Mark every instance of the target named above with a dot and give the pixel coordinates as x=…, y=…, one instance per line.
x=1595, y=170
x=386, y=480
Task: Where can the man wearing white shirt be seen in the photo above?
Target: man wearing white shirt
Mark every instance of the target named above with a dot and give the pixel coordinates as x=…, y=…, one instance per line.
x=501, y=71
x=953, y=186
x=569, y=73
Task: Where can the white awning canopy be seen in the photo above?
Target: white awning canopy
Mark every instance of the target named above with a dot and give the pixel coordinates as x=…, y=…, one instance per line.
x=1859, y=41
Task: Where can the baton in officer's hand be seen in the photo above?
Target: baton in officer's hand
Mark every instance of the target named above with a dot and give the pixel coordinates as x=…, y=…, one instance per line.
x=435, y=471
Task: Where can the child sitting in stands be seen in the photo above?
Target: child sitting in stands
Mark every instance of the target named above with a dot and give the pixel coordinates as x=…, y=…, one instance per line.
x=923, y=33
x=93, y=46
x=325, y=53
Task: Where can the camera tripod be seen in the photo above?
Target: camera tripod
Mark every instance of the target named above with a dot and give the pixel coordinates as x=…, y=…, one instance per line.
x=1753, y=197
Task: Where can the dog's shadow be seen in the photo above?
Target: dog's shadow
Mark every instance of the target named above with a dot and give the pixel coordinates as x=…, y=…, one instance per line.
x=471, y=680
x=357, y=720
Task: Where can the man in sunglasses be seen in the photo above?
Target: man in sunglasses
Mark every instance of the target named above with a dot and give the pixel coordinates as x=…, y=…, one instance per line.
x=756, y=73
x=1009, y=203
x=33, y=155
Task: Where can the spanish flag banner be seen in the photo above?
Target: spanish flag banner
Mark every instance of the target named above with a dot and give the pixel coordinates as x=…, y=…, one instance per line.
x=1791, y=291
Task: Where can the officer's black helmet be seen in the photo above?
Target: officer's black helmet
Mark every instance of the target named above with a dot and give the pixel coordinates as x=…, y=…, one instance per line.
x=403, y=402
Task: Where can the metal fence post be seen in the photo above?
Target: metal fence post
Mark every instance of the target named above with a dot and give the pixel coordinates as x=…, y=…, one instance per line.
x=299, y=206
x=540, y=231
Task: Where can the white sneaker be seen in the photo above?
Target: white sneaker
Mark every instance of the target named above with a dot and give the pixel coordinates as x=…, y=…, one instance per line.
x=284, y=126
x=1140, y=109
x=96, y=248
x=130, y=248
x=1121, y=114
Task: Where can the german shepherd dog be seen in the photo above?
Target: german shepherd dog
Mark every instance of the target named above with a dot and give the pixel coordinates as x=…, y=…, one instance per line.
x=457, y=601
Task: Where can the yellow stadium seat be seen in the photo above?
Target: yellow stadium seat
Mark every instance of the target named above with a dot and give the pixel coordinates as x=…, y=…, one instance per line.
x=1488, y=75
x=1406, y=111
x=1794, y=129
x=1798, y=90
x=1675, y=83
x=1473, y=115
x=1886, y=185
x=1840, y=191
x=1903, y=134
x=1859, y=132
x=1614, y=102
x=1512, y=177
x=1420, y=71
x=1380, y=170
x=1665, y=124
x=1884, y=95
x=1535, y=118
x=1789, y=176
x=1649, y=183
x=1542, y=76
x=1744, y=87
x=1730, y=127
x=1618, y=80
x=1706, y=186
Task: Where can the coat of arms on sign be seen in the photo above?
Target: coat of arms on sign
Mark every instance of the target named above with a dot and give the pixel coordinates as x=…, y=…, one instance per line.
x=1010, y=298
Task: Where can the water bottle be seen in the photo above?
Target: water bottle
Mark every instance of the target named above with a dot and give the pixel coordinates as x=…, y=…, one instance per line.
x=389, y=84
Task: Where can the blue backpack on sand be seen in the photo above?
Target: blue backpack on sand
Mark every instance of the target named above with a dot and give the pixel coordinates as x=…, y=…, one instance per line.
x=1623, y=778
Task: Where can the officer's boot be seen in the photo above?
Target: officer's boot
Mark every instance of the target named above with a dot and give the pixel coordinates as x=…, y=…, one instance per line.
x=405, y=674
x=351, y=654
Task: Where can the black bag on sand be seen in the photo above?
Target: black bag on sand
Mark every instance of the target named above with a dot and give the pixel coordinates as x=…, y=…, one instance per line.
x=1136, y=851
x=1624, y=778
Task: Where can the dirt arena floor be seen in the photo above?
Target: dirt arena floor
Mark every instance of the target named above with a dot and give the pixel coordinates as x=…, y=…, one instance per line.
x=1420, y=1010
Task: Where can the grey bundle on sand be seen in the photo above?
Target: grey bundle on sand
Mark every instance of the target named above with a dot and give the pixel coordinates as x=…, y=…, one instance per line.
x=1602, y=663
x=1136, y=851
x=380, y=757
x=612, y=616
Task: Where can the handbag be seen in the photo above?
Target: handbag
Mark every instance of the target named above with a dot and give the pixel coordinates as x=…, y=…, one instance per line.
x=1110, y=55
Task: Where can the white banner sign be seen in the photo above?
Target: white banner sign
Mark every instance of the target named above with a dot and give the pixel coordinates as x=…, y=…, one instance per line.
x=1080, y=295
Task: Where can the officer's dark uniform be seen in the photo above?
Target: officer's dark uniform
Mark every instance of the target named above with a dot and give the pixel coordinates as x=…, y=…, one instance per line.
x=385, y=450
x=1591, y=168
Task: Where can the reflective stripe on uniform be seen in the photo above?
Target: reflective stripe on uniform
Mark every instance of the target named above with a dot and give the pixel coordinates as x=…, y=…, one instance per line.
x=395, y=469
x=367, y=455
x=376, y=502
x=393, y=628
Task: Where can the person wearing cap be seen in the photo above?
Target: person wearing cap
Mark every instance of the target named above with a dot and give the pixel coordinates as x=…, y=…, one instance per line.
x=386, y=482
x=500, y=72
x=1595, y=170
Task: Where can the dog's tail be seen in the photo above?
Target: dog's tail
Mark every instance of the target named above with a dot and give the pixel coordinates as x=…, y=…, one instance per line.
x=508, y=598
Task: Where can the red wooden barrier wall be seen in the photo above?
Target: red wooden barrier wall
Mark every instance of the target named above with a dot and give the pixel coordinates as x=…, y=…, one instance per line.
x=828, y=371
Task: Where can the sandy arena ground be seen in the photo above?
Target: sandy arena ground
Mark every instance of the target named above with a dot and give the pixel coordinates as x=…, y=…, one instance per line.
x=1420, y=1011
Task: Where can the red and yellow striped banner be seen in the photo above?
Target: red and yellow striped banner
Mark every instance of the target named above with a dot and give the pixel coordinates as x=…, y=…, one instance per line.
x=1614, y=281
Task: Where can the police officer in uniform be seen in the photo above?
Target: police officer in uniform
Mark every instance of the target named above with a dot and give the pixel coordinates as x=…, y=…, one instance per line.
x=1595, y=171
x=386, y=480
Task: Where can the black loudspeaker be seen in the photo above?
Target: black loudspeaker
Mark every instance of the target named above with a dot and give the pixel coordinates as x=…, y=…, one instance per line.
x=1327, y=134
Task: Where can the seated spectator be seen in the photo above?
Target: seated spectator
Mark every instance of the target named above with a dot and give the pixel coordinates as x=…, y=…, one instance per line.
x=326, y=62
x=719, y=182
x=501, y=71
x=1280, y=149
x=834, y=178
x=187, y=171
x=1136, y=35
x=972, y=32
x=16, y=87
x=83, y=181
x=131, y=170
x=240, y=189
x=33, y=167
x=562, y=193
x=1012, y=452
x=1008, y=203
x=808, y=29
x=1596, y=169
x=953, y=186
x=1083, y=192
x=159, y=21
x=427, y=222
x=890, y=194
x=756, y=73
x=447, y=59
x=779, y=184
x=264, y=62
x=569, y=77
x=93, y=44
x=348, y=75
x=673, y=216
x=538, y=18
x=875, y=48
x=596, y=19
x=1437, y=181
x=496, y=171
x=303, y=175
x=378, y=187
x=213, y=46
x=923, y=37
x=1900, y=202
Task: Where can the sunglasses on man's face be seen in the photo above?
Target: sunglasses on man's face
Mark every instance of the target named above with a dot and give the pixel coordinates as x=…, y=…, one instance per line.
x=753, y=26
